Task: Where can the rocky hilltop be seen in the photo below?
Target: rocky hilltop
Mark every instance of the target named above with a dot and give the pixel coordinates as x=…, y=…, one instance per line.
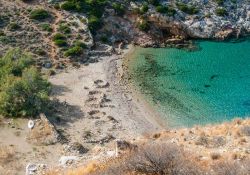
x=61, y=32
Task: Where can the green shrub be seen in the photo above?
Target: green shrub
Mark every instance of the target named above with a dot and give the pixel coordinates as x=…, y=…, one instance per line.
x=221, y=12
x=160, y=9
x=7, y=39
x=143, y=25
x=119, y=8
x=80, y=44
x=58, y=36
x=94, y=23
x=93, y=8
x=219, y=2
x=74, y=51
x=13, y=26
x=57, y=6
x=60, y=43
x=104, y=39
x=64, y=28
x=46, y=27
x=166, y=10
x=23, y=91
x=13, y=63
x=69, y=6
x=153, y=2
x=76, y=5
x=59, y=40
x=187, y=9
x=39, y=14
x=2, y=33
x=144, y=9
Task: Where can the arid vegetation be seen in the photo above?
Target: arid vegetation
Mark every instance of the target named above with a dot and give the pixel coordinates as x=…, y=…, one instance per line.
x=212, y=150
x=6, y=154
x=160, y=158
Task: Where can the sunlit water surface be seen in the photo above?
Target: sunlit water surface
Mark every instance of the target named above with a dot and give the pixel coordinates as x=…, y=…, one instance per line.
x=209, y=85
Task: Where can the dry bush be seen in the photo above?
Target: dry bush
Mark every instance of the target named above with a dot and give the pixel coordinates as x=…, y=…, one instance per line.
x=83, y=170
x=217, y=141
x=161, y=159
x=245, y=130
x=232, y=168
x=214, y=142
x=53, y=172
x=202, y=140
x=6, y=154
x=88, y=169
x=215, y=156
x=154, y=159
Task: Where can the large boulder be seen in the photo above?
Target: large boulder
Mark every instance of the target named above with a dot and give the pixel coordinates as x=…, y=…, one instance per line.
x=43, y=132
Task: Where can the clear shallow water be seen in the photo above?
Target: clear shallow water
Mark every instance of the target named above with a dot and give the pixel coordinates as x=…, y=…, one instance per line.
x=205, y=86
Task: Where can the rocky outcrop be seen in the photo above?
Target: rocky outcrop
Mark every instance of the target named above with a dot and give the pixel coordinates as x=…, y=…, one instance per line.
x=43, y=132
x=164, y=29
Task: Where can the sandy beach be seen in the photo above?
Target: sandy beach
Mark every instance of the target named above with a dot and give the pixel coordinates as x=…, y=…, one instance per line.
x=112, y=97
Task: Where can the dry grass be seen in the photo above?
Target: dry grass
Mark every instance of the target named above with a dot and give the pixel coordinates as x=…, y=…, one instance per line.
x=54, y=172
x=6, y=154
x=88, y=169
x=83, y=170
x=232, y=168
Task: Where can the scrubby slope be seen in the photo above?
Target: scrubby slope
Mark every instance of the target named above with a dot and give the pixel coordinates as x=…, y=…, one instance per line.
x=217, y=149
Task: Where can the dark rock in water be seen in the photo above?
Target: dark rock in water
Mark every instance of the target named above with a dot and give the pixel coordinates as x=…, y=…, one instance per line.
x=214, y=76
x=246, y=103
x=207, y=85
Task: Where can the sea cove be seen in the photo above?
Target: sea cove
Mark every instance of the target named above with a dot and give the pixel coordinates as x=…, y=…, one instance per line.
x=209, y=85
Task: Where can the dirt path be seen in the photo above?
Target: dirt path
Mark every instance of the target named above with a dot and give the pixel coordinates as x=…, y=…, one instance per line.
x=58, y=18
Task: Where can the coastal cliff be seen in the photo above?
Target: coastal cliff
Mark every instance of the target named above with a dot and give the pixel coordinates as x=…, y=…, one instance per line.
x=208, y=20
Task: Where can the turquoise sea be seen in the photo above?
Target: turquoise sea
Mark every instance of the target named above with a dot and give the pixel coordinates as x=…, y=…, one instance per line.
x=209, y=85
